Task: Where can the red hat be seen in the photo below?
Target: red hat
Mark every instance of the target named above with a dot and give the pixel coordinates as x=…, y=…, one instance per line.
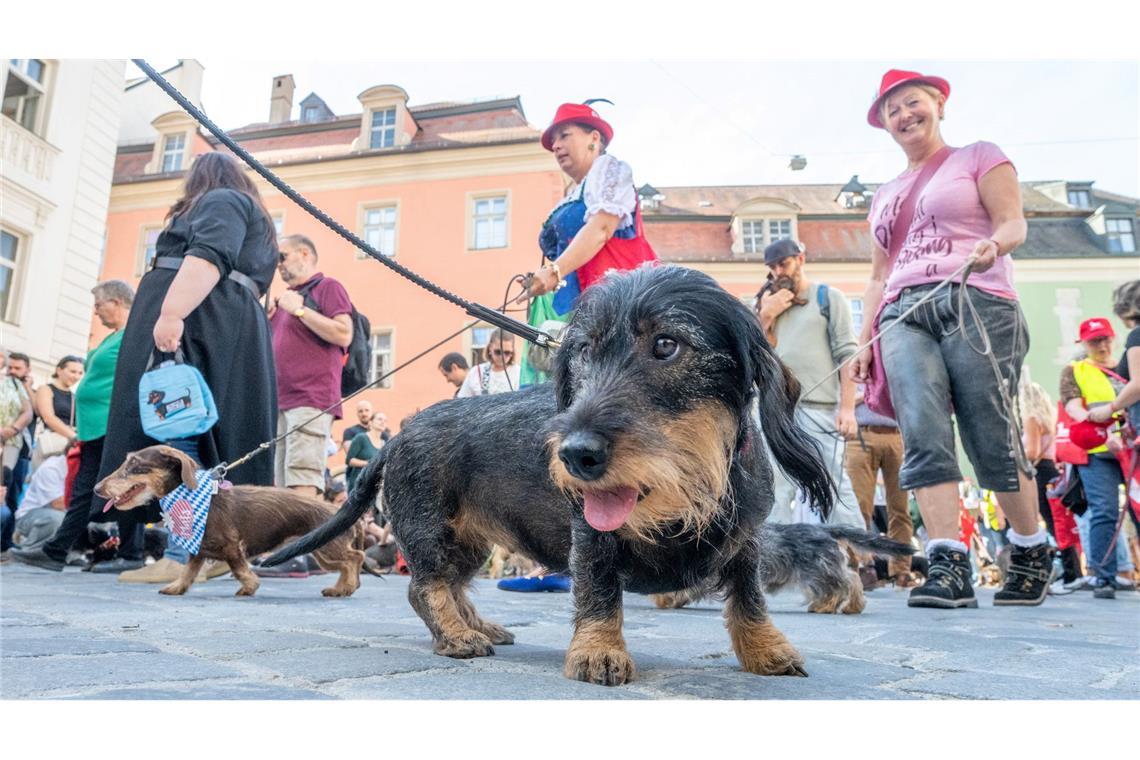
x=578, y=113
x=1097, y=327
x=1088, y=434
x=897, y=77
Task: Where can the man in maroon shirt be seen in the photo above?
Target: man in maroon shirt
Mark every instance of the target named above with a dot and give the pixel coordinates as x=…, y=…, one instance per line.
x=309, y=346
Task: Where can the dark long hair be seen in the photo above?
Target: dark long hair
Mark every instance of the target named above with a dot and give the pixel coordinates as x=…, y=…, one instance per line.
x=211, y=171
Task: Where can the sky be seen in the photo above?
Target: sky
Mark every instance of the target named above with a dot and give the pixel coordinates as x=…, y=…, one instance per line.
x=706, y=122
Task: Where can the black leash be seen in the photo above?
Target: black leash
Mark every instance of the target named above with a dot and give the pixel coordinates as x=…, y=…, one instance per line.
x=219, y=471
x=480, y=312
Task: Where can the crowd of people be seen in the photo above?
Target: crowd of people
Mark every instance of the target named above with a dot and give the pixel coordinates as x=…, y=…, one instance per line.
x=877, y=405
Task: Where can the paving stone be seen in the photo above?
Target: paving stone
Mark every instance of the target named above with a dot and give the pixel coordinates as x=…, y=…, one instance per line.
x=323, y=665
x=477, y=684
x=204, y=690
x=27, y=676
x=12, y=646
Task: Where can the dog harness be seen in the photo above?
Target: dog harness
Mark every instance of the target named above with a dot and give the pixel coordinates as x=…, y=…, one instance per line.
x=184, y=511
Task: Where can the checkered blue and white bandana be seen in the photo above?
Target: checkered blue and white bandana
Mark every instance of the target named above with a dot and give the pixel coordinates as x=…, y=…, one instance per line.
x=184, y=512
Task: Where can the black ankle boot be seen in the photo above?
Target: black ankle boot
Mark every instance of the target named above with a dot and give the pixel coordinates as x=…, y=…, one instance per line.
x=1030, y=573
x=947, y=583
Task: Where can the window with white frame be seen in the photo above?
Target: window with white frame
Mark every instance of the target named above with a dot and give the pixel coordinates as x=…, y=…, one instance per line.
x=25, y=93
x=779, y=229
x=758, y=233
x=278, y=223
x=172, y=149
x=382, y=357
x=752, y=233
x=148, y=248
x=1080, y=199
x=856, y=314
x=380, y=230
x=1121, y=238
x=383, y=130
x=489, y=222
x=311, y=113
x=10, y=260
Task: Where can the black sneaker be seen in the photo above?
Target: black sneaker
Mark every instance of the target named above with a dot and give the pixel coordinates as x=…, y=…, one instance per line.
x=1030, y=573
x=36, y=558
x=1103, y=589
x=947, y=582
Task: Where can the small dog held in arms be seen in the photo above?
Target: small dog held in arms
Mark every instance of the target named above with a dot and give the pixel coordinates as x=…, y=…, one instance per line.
x=639, y=468
x=243, y=520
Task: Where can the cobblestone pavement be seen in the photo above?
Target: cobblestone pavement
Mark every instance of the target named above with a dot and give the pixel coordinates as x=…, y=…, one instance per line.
x=78, y=635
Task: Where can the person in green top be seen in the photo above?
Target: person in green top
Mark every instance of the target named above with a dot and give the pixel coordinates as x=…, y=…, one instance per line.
x=113, y=300
x=363, y=447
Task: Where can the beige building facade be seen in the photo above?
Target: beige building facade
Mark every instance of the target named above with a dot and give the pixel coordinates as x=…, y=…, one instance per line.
x=58, y=134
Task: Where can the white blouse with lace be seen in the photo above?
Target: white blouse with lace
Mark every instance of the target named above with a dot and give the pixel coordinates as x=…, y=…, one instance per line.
x=609, y=188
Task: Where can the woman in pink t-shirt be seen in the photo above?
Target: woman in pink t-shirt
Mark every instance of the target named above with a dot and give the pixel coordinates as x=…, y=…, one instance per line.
x=949, y=205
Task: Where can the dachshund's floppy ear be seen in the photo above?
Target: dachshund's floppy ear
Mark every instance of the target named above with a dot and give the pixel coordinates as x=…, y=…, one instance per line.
x=188, y=466
x=563, y=379
x=777, y=391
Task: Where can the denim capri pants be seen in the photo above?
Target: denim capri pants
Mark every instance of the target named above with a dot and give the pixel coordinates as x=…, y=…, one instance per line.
x=933, y=371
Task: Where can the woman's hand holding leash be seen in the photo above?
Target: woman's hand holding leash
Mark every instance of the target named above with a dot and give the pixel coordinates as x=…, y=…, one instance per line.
x=985, y=255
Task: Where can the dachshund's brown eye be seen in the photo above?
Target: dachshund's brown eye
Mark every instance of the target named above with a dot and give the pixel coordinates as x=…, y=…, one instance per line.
x=664, y=347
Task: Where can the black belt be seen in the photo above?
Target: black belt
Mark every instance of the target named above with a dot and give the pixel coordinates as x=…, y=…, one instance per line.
x=175, y=262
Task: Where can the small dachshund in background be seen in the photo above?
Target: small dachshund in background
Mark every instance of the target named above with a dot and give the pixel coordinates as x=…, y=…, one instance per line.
x=243, y=521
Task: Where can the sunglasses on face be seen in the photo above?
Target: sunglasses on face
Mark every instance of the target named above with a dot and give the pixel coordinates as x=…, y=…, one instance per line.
x=504, y=354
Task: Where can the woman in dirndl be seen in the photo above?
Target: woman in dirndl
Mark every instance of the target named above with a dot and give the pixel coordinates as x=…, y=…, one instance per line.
x=596, y=227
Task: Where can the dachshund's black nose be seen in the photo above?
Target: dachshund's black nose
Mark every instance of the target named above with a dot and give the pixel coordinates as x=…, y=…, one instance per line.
x=585, y=455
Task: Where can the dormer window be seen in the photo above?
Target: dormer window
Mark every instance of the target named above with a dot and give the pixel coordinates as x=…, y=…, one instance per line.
x=311, y=113
x=752, y=235
x=853, y=194
x=758, y=223
x=649, y=196
x=174, y=143
x=1121, y=238
x=383, y=131
x=1080, y=199
x=385, y=121
x=173, y=148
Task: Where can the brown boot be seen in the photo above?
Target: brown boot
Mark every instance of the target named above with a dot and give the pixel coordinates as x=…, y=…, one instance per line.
x=163, y=571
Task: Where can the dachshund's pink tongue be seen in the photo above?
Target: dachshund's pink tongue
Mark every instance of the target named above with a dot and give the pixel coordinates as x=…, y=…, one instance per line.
x=608, y=510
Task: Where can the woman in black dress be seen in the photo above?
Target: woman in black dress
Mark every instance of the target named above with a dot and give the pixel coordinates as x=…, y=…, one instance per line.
x=213, y=262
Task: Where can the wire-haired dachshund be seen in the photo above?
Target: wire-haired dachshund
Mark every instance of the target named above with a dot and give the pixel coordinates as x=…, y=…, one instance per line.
x=639, y=468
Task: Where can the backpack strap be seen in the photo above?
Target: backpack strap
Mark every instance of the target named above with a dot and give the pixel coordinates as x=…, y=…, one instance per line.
x=823, y=300
x=306, y=291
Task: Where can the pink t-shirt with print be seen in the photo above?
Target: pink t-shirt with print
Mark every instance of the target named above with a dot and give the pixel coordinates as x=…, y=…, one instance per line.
x=949, y=220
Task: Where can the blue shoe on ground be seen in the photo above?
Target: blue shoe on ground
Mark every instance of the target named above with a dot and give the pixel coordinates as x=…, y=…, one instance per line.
x=558, y=583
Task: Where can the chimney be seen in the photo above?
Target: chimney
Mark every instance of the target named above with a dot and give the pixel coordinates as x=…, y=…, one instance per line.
x=281, y=99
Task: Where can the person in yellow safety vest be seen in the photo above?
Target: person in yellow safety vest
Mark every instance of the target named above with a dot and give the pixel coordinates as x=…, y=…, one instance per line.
x=1086, y=384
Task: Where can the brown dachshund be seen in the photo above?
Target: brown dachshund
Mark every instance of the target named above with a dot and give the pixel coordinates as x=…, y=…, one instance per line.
x=244, y=521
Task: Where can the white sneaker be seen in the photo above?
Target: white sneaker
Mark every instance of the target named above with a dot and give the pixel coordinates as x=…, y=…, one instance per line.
x=1079, y=584
x=1060, y=588
x=1125, y=582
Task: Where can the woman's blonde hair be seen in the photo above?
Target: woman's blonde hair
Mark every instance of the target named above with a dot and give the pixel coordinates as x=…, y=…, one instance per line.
x=1035, y=404
x=929, y=89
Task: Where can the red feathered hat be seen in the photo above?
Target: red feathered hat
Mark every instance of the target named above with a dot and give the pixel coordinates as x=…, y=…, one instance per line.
x=577, y=113
x=896, y=78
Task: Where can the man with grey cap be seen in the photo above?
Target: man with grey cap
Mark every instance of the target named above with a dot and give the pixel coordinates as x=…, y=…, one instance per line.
x=809, y=325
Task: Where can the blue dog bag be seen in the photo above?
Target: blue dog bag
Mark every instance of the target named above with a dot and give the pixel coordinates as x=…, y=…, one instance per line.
x=174, y=400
